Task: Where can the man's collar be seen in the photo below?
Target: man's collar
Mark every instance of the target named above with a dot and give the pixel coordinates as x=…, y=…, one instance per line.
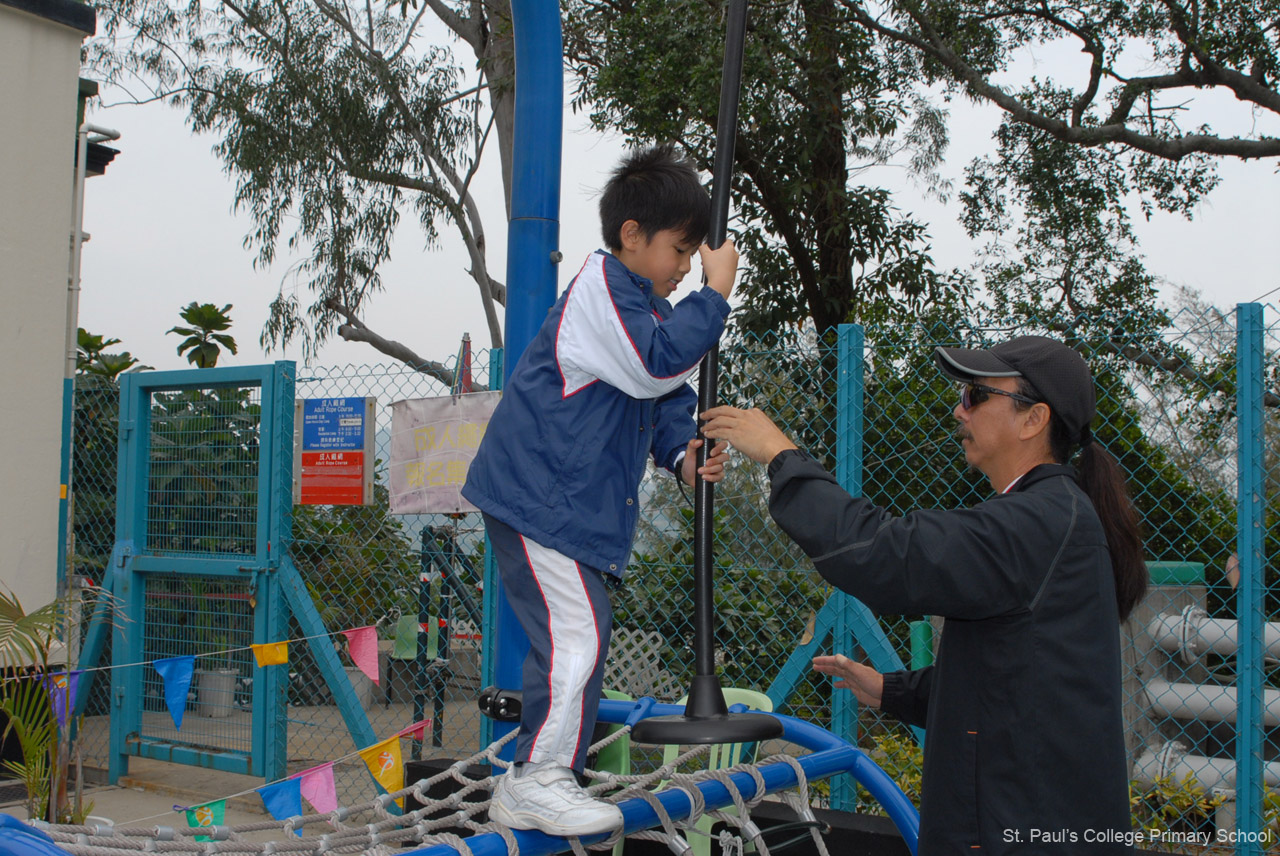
x=1040, y=472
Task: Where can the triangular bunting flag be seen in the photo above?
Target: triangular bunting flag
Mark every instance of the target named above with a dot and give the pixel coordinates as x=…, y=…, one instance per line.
x=209, y=814
x=271, y=653
x=62, y=688
x=176, y=673
x=362, y=643
x=383, y=761
x=283, y=800
x=418, y=730
x=317, y=786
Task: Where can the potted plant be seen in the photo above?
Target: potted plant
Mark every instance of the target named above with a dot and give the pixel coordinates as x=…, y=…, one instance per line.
x=215, y=674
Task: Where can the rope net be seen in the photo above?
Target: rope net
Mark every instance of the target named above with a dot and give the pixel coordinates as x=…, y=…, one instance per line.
x=372, y=828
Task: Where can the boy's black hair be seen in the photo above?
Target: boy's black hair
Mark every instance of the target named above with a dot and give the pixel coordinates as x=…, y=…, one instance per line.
x=659, y=189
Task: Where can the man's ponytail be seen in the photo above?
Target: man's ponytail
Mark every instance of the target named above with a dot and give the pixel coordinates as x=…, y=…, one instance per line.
x=1103, y=482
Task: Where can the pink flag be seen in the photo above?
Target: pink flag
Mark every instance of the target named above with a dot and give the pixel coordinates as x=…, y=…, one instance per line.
x=318, y=789
x=362, y=643
x=418, y=730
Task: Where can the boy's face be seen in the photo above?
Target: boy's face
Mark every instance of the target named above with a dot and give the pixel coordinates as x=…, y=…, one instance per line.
x=665, y=258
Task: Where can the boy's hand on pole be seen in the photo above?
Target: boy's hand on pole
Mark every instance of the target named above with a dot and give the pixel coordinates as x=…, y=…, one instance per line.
x=712, y=472
x=720, y=266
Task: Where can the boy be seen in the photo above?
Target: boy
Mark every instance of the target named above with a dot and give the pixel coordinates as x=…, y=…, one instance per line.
x=600, y=388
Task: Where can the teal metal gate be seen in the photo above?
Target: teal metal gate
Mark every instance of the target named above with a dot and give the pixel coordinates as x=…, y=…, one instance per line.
x=201, y=569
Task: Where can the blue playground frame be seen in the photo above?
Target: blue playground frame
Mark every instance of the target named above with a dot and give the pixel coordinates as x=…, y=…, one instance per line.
x=830, y=756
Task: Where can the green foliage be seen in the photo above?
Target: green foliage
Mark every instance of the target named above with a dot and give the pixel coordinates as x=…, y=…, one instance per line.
x=358, y=561
x=902, y=758
x=204, y=339
x=819, y=101
x=28, y=713
x=97, y=408
x=334, y=123
x=28, y=643
x=1173, y=805
x=92, y=359
x=203, y=473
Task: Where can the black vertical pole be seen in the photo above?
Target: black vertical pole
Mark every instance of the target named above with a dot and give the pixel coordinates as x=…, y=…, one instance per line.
x=706, y=718
x=708, y=700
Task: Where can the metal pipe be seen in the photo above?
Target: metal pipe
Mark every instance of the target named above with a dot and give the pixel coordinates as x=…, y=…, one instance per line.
x=1192, y=633
x=77, y=236
x=1171, y=761
x=1206, y=702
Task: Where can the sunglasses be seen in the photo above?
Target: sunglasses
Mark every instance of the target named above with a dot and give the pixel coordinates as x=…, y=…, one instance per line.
x=974, y=394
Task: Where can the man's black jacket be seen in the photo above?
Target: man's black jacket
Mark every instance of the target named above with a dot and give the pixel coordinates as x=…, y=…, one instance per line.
x=1025, y=748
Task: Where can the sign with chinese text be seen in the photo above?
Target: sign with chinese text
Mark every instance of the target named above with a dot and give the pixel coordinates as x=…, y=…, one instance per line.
x=433, y=441
x=333, y=451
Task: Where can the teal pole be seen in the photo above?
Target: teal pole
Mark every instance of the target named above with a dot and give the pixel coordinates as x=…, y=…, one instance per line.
x=533, y=235
x=1250, y=594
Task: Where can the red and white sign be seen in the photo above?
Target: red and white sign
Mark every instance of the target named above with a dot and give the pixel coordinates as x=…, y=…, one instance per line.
x=332, y=478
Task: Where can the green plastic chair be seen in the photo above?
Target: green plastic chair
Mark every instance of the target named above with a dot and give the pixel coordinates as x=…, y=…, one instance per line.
x=720, y=756
x=405, y=649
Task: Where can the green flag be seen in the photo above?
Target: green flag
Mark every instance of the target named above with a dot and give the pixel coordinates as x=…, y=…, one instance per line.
x=208, y=814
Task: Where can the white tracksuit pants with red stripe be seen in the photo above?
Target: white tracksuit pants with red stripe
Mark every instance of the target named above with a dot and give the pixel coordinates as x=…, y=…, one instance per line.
x=564, y=609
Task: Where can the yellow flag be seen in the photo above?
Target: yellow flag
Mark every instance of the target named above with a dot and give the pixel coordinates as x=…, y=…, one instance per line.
x=383, y=761
x=271, y=653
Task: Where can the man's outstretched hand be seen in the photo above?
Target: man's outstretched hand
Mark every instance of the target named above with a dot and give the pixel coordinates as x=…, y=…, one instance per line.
x=865, y=682
x=749, y=431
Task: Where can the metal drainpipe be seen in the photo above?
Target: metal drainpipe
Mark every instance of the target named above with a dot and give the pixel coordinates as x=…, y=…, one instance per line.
x=1172, y=761
x=69, y=360
x=1205, y=702
x=1193, y=633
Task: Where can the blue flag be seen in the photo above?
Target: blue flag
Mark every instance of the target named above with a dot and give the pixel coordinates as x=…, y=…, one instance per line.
x=176, y=673
x=62, y=688
x=283, y=799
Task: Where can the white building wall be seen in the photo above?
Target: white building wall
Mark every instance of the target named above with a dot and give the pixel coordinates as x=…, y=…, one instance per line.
x=39, y=73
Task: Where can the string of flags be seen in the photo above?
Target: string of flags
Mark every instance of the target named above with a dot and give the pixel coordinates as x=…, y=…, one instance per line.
x=176, y=673
x=283, y=799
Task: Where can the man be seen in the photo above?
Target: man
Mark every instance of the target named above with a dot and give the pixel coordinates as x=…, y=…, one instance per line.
x=1025, y=750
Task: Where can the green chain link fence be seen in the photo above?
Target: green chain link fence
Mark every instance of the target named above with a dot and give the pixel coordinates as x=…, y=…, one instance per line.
x=1166, y=401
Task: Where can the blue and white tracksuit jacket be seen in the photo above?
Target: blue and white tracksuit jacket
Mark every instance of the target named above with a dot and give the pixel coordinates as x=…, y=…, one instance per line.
x=600, y=388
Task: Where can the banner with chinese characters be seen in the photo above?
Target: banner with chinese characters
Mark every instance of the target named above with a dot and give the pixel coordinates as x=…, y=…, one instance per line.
x=433, y=441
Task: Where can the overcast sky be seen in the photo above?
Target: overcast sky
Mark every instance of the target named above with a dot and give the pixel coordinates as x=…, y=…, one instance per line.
x=164, y=234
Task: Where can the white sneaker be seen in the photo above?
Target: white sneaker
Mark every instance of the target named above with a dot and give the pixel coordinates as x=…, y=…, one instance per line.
x=547, y=797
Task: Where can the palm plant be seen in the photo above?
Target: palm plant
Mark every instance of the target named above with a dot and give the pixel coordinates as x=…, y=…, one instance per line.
x=204, y=339
x=28, y=646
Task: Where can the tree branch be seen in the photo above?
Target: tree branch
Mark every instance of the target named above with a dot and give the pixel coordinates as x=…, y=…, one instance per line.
x=355, y=330
x=932, y=44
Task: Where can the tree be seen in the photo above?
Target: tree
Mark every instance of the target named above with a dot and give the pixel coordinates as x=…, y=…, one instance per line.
x=204, y=339
x=1174, y=49
x=341, y=118
x=92, y=358
x=820, y=101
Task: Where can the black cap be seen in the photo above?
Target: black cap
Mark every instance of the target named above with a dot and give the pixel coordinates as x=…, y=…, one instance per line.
x=1059, y=374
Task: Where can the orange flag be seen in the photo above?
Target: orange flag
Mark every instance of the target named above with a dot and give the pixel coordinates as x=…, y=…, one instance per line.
x=383, y=761
x=271, y=653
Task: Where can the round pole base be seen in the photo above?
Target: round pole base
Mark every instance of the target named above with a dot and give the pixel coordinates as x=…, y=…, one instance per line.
x=726, y=728
x=706, y=719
